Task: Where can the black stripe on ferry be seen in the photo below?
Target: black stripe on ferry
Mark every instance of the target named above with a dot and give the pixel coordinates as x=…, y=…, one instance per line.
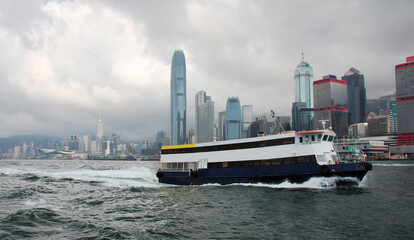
x=235, y=146
x=267, y=162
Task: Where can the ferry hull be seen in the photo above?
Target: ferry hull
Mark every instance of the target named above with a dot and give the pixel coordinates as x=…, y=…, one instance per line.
x=296, y=173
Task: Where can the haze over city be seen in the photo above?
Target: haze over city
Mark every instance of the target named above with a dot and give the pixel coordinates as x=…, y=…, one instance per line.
x=64, y=62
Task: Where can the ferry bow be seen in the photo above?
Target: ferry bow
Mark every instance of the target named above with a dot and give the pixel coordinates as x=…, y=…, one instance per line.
x=292, y=156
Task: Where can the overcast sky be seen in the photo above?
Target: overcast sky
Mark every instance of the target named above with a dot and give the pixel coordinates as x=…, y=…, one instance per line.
x=64, y=62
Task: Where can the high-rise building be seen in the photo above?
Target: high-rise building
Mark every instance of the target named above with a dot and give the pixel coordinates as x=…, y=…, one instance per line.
x=404, y=82
x=178, y=95
x=331, y=107
x=300, y=117
x=99, y=128
x=221, y=126
x=304, y=91
x=357, y=96
x=393, y=116
x=247, y=118
x=233, y=119
x=204, y=116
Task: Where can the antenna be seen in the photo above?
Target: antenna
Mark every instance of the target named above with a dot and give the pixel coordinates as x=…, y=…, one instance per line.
x=303, y=56
x=323, y=121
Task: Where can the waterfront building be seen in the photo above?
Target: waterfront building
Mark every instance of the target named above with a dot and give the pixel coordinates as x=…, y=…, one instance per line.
x=260, y=127
x=331, y=107
x=358, y=130
x=304, y=92
x=221, y=126
x=178, y=93
x=300, y=117
x=404, y=82
x=356, y=93
x=204, y=117
x=191, y=136
x=233, y=119
x=378, y=125
x=247, y=118
x=393, y=116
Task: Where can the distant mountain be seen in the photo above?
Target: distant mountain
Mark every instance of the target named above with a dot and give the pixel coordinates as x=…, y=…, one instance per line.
x=10, y=142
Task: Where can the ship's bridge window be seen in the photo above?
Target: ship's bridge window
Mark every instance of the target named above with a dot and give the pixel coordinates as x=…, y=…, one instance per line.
x=325, y=137
x=307, y=138
x=330, y=138
x=313, y=138
x=301, y=139
x=319, y=137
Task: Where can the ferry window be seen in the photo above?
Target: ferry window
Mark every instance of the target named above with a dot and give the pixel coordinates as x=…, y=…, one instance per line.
x=174, y=165
x=277, y=161
x=266, y=163
x=330, y=138
x=325, y=137
x=289, y=161
x=307, y=138
x=302, y=160
x=319, y=137
x=301, y=139
x=225, y=164
x=313, y=138
x=180, y=165
x=169, y=165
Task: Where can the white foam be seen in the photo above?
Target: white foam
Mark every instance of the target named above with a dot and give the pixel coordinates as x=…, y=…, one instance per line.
x=313, y=183
x=134, y=177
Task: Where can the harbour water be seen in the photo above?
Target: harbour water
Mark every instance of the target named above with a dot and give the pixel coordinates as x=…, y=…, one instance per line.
x=51, y=199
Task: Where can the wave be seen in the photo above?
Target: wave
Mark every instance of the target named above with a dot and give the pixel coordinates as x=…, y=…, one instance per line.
x=312, y=183
x=134, y=177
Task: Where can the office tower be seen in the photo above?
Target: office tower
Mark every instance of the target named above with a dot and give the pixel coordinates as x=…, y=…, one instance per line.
x=393, y=116
x=356, y=96
x=304, y=92
x=404, y=82
x=191, y=136
x=247, y=119
x=233, y=119
x=178, y=95
x=331, y=107
x=378, y=125
x=99, y=128
x=300, y=117
x=221, y=126
x=160, y=136
x=204, y=117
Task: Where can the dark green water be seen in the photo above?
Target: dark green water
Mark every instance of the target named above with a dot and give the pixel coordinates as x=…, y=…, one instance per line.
x=46, y=199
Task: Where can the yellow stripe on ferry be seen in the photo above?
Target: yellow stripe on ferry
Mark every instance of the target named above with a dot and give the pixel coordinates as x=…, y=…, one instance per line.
x=178, y=146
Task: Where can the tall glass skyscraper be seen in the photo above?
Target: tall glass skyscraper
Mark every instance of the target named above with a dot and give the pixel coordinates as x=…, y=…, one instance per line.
x=204, y=117
x=178, y=98
x=233, y=119
x=304, y=94
x=356, y=96
x=303, y=83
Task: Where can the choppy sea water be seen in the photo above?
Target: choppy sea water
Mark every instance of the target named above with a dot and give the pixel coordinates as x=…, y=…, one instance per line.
x=50, y=199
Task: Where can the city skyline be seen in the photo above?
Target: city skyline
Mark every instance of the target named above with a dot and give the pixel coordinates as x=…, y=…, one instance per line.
x=64, y=62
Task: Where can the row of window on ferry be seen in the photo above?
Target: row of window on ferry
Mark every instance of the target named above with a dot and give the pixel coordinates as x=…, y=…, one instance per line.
x=312, y=138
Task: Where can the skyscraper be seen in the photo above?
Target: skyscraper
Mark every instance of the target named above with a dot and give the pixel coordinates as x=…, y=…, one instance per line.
x=247, y=118
x=221, y=126
x=331, y=105
x=99, y=128
x=178, y=95
x=233, y=119
x=204, y=116
x=356, y=95
x=404, y=82
x=304, y=93
x=303, y=83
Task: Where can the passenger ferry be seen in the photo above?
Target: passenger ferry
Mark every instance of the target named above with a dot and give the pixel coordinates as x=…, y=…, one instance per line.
x=292, y=156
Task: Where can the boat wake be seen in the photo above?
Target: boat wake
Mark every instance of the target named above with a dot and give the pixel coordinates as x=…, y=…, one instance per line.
x=313, y=183
x=134, y=177
x=393, y=164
